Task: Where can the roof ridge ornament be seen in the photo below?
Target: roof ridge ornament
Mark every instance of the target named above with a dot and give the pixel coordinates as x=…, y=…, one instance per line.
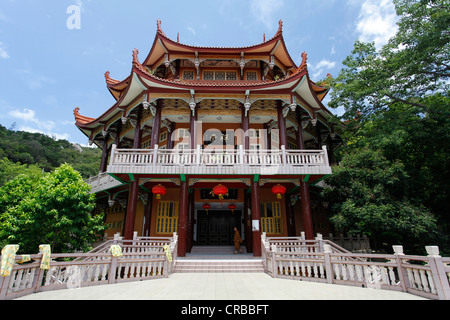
x=136, y=62
x=158, y=24
x=135, y=56
x=304, y=63
x=110, y=80
x=280, y=27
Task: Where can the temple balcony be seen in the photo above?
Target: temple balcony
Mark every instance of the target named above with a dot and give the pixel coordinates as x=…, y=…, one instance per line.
x=102, y=182
x=223, y=161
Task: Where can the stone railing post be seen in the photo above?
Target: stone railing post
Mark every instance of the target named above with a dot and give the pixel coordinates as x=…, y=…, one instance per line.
x=325, y=156
x=112, y=270
x=319, y=238
x=198, y=155
x=283, y=155
x=439, y=276
x=327, y=262
x=403, y=276
x=155, y=155
x=112, y=159
x=241, y=154
x=273, y=252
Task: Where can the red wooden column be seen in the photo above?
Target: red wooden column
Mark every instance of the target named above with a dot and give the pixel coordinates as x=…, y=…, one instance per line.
x=104, y=162
x=304, y=187
x=119, y=130
x=193, y=129
x=247, y=224
x=148, y=214
x=134, y=185
x=183, y=212
x=281, y=125
x=156, y=129
x=256, y=220
x=245, y=127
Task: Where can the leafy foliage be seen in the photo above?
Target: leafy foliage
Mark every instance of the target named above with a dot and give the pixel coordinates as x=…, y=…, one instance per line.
x=51, y=208
x=393, y=181
x=38, y=150
x=414, y=65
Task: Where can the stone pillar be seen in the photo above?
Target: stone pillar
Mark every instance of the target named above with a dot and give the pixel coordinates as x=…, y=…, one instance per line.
x=182, y=218
x=256, y=220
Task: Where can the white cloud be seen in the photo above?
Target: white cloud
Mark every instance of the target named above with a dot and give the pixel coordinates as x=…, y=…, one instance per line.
x=56, y=136
x=29, y=116
x=3, y=53
x=192, y=30
x=35, y=125
x=264, y=11
x=321, y=69
x=26, y=115
x=34, y=81
x=377, y=21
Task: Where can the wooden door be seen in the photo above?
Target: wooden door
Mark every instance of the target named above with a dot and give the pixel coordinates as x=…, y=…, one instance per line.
x=217, y=227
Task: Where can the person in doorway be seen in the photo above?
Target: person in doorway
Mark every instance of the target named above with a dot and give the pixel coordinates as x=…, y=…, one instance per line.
x=237, y=241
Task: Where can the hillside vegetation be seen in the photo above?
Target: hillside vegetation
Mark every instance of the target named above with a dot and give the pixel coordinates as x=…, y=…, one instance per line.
x=21, y=151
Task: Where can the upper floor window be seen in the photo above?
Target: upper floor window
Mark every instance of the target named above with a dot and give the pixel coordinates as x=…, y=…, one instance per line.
x=252, y=75
x=188, y=75
x=220, y=75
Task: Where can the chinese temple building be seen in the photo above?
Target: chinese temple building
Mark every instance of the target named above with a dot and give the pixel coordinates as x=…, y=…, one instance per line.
x=201, y=140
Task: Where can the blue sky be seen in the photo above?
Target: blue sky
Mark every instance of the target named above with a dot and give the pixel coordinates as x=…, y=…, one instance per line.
x=47, y=69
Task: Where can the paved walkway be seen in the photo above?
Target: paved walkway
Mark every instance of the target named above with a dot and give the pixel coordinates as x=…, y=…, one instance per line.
x=221, y=286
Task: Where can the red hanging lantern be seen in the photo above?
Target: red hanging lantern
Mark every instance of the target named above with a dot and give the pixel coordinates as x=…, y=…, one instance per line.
x=279, y=190
x=159, y=190
x=232, y=207
x=206, y=206
x=220, y=191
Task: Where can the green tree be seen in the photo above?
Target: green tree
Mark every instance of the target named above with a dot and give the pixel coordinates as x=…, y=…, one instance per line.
x=56, y=210
x=397, y=113
x=368, y=196
x=47, y=153
x=9, y=170
x=414, y=65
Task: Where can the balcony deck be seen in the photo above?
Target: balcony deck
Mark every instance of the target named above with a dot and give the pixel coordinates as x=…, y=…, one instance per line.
x=223, y=162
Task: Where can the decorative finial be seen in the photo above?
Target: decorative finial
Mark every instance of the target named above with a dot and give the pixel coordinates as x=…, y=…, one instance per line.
x=135, y=55
x=178, y=37
x=304, y=60
x=280, y=27
x=76, y=111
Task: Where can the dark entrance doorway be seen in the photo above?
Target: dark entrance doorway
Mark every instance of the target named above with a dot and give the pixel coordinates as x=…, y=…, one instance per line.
x=216, y=227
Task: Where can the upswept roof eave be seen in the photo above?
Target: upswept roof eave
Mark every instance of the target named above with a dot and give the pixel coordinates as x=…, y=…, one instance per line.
x=160, y=35
x=96, y=121
x=314, y=94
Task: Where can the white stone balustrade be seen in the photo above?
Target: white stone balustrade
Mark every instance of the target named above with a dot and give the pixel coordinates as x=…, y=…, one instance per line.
x=223, y=161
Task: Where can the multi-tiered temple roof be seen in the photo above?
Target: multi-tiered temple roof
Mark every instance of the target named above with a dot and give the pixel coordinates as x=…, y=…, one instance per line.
x=176, y=73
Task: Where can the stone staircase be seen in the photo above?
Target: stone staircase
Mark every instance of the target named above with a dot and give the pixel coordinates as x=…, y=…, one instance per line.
x=218, y=259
